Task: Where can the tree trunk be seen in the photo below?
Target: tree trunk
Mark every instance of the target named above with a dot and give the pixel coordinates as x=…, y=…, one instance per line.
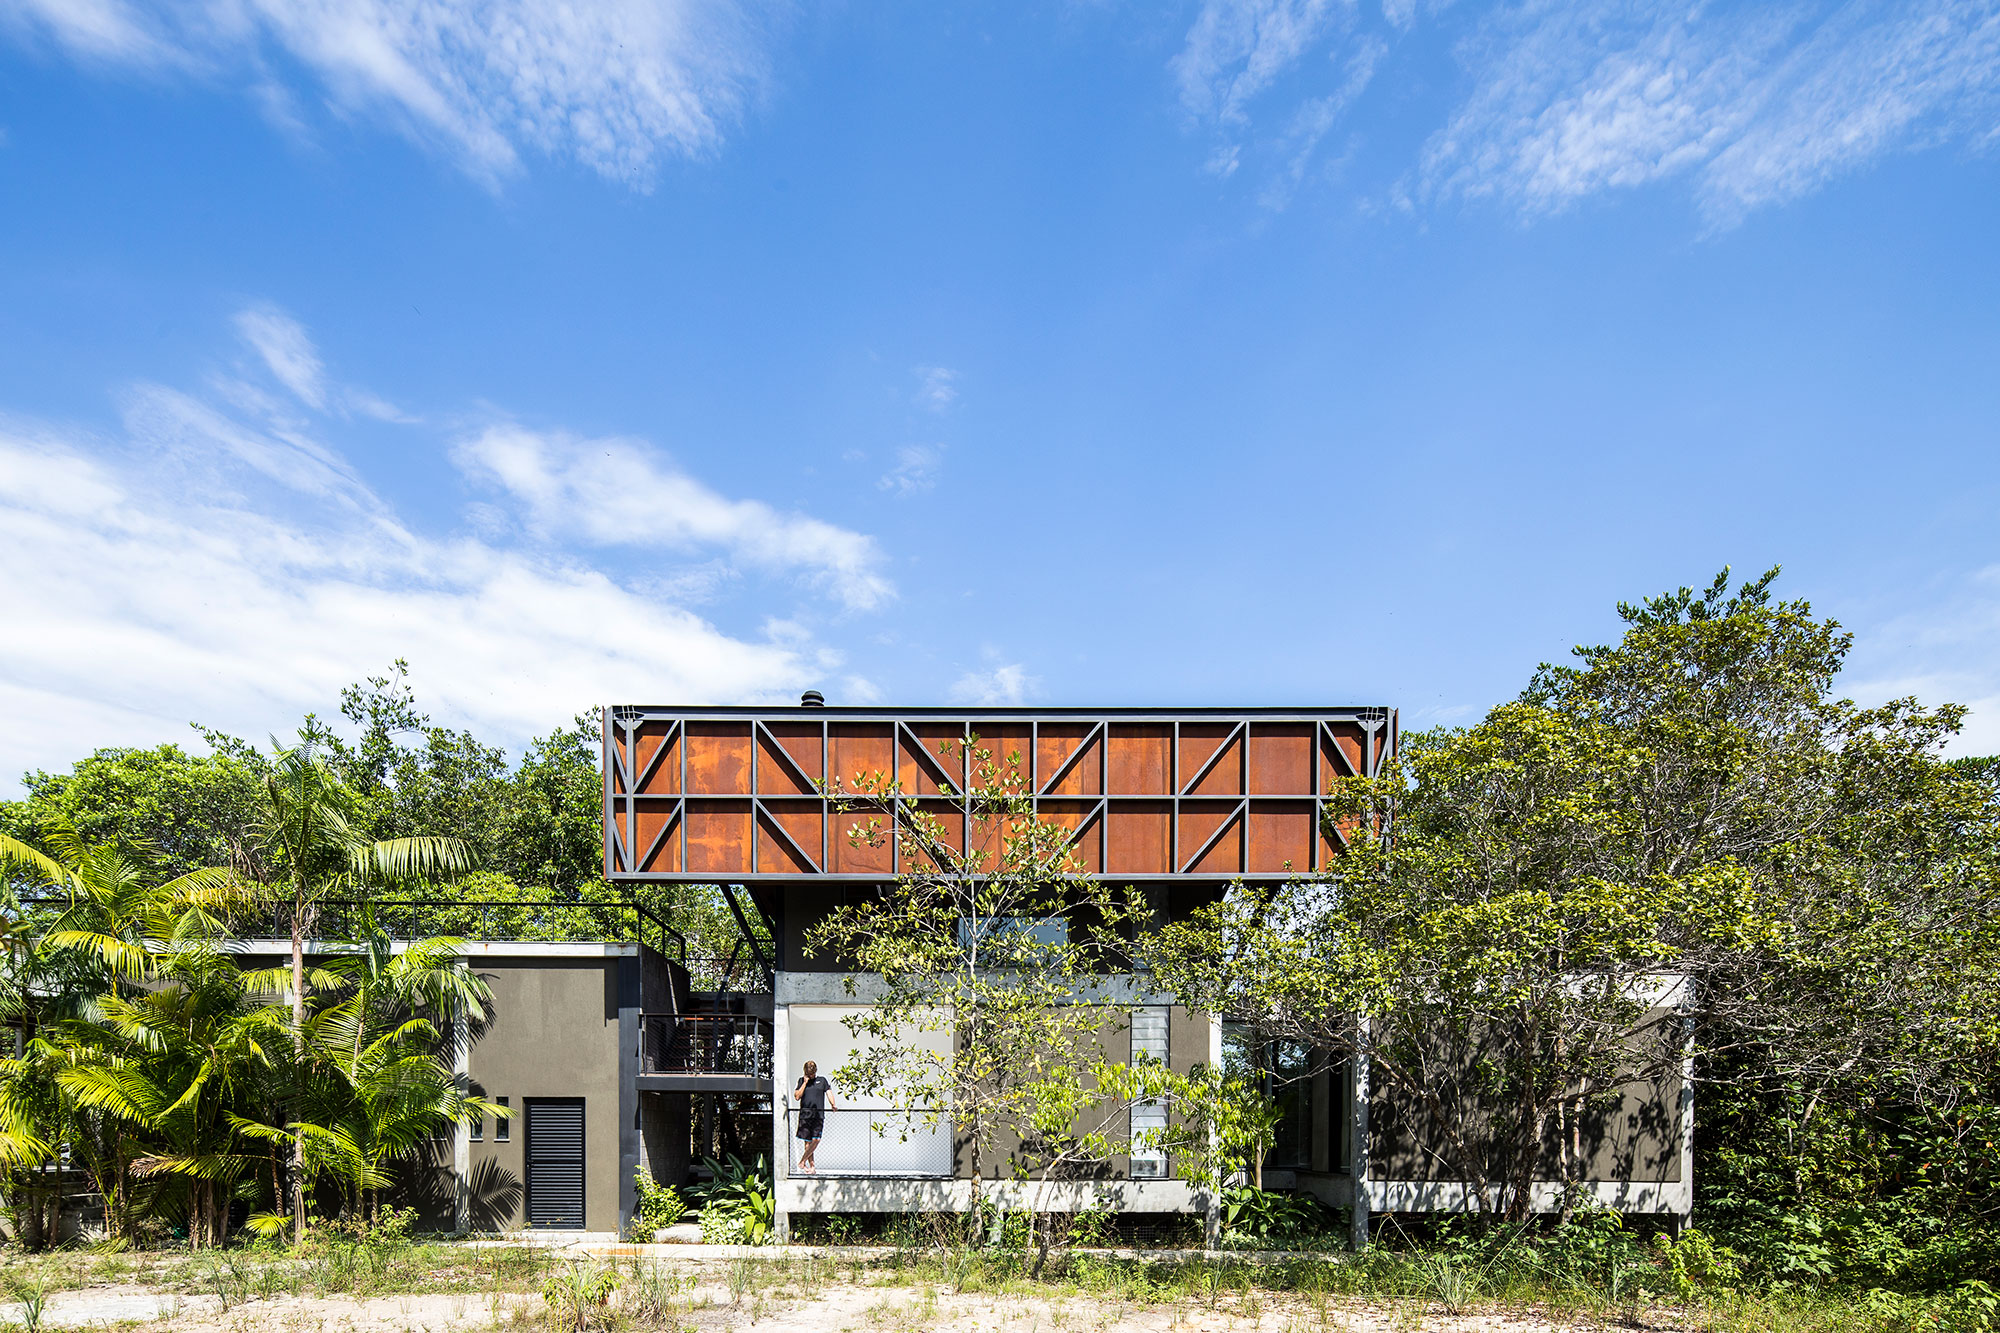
x=28, y=1215
x=298, y=1049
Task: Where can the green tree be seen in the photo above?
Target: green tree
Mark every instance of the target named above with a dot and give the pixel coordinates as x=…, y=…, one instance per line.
x=991, y=973
x=1691, y=804
x=186, y=811
x=375, y=1070
x=133, y=1023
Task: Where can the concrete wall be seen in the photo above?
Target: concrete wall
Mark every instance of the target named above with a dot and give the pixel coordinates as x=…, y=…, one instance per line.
x=565, y=1025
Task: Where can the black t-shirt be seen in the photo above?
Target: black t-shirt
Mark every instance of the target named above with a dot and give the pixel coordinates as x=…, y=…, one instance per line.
x=812, y=1097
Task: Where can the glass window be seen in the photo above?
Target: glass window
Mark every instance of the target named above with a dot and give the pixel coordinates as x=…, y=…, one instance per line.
x=477, y=1130
x=1022, y=936
x=501, y=1123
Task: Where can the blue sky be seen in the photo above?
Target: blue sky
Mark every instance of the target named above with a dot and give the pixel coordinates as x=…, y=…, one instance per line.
x=1234, y=351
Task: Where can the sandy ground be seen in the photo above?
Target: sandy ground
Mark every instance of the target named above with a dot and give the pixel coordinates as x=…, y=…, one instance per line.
x=709, y=1308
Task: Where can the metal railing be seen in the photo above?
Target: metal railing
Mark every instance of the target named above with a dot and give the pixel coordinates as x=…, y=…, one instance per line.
x=416, y=917
x=704, y=1044
x=886, y=1143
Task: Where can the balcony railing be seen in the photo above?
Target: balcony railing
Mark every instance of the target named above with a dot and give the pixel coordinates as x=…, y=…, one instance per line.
x=704, y=1044
x=893, y=1144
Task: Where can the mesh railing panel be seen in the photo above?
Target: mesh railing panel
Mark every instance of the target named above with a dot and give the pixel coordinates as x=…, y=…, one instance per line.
x=704, y=1044
x=895, y=1144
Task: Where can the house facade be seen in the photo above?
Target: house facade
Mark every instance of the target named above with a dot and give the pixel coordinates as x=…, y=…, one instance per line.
x=615, y=1055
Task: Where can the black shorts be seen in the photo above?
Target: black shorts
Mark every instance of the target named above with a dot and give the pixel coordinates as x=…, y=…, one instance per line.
x=811, y=1124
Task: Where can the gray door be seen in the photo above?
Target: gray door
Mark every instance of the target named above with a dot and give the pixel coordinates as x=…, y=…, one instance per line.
x=555, y=1162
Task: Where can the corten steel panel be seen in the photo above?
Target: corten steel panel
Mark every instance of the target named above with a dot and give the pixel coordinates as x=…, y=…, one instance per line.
x=734, y=795
x=789, y=761
x=1139, y=758
x=1280, y=760
x=1211, y=762
x=1278, y=829
x=1140, y=837
x=718, y=759
x=1069, y=759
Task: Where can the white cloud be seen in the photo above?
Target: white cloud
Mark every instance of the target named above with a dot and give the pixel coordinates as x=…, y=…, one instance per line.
x=286, y=349
x=1237, y=48
x=206, y=565
x=619, y=492
x=937, y=387
x=1000, y=686
x=134, y=607
x=917, y=468
x=1565, y=99
x=612, y=83
x=1318, y=115
x=1944, y=649
x=1755, y=106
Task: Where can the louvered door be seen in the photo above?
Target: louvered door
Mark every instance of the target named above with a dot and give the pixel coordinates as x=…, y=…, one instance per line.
x=555, y=1162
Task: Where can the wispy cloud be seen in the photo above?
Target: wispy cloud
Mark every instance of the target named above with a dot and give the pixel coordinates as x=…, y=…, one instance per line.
x=1942, y=647
x=999, y=686
x=1565, y=99
x=613, y=85
x=207, y=563
x=287, y=351
x=1754, y=106
x=937, y=387
x=621, y=492
x=1238, y=48
x=916, y=471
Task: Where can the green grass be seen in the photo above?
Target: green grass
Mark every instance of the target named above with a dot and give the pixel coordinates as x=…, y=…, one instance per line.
x=1309, y=1293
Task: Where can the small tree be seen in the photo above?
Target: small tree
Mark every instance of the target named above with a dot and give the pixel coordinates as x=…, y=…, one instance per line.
x=994, y=938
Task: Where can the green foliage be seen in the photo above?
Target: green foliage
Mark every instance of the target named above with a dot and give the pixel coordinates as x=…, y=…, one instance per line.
x=180, y=811
x=994, y=951
x=1685, y=820
x=739, y=1203
x=578, y=1296
x=659, y=1205
x=1271, y=1219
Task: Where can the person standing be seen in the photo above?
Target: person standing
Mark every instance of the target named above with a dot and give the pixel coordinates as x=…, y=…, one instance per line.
x=815, y=1096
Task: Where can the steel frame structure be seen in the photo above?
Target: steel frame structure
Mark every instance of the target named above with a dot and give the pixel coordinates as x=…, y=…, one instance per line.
x=634, y=783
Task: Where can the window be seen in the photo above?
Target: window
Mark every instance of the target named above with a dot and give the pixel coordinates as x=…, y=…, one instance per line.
x=999, y=937
x=1149, y=1118
x=501, y=1123
x=1284, y=1072
x=477, y=1130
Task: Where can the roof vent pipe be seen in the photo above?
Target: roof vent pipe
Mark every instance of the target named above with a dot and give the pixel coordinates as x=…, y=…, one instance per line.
x=812, y=699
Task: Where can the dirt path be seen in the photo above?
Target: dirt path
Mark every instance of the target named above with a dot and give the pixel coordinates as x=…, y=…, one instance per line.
x=709, y=1306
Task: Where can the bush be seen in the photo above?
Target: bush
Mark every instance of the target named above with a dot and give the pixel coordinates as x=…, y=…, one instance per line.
x=739, y=1205
x=659, y=1205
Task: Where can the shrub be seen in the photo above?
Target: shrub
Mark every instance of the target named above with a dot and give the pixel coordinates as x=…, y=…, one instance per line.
x=659, y=1205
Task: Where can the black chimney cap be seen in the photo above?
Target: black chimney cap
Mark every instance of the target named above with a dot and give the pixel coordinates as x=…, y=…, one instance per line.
x=812, y=699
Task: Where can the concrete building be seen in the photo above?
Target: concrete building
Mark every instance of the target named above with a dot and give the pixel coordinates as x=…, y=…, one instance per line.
x=612, y=1052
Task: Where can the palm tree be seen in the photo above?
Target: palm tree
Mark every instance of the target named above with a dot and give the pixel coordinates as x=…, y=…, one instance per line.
x=377, y=1067
x=114, y=927
x=172, y=1062
x=305, y=847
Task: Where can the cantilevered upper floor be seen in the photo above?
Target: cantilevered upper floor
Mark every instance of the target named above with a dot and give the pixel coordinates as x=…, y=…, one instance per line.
x=750, y=795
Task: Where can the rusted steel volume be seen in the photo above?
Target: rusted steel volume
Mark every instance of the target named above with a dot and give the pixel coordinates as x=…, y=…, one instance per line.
x=735, y=794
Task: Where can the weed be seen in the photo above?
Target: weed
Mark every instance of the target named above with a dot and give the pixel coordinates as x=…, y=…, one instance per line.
x=578, y=1297
x=33, y=1295
x=1454, y=1284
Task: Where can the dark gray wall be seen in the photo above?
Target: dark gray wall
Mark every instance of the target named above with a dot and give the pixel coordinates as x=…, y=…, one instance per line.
x=557, y=1032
